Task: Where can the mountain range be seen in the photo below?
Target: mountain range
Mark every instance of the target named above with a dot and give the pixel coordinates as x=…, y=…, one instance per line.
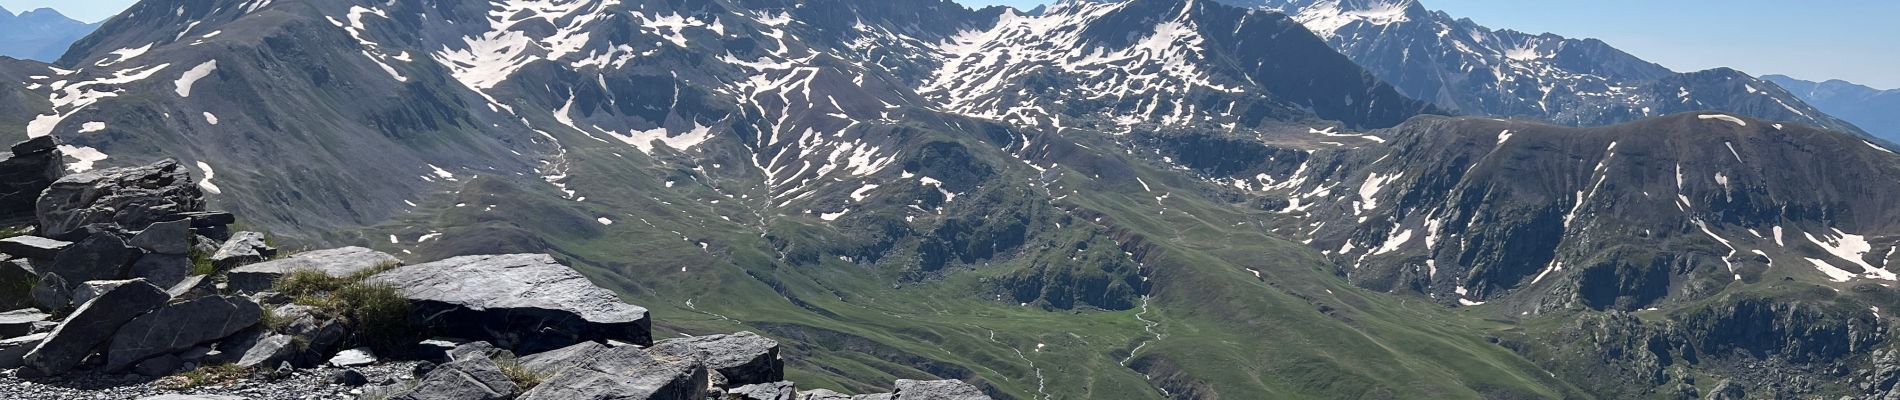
x=1864, y=106
x=1471, y=69
x=1113, y=199
x=41, y=34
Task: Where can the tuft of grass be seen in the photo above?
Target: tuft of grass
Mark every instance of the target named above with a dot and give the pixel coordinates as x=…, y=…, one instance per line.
x=377, y=313
x=216, y=374
x=523, y=377
x=306, y=282
x=201, y=262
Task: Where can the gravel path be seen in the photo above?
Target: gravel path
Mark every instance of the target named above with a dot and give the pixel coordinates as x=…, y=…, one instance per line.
x=304, y=384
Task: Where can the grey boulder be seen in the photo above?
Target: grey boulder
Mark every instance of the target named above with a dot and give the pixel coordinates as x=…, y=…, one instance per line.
x=470, y=379
x=88, y=290
x=164, y=270
x=193, y=287
x=243, y=248
x=27, y=171
x=781, y=390
x=553, y=362
x=525, y=302
x=744, y=358
x=132, y=197
x=180, y=327
x=256, y=348
x=170, y=237
x=13, y=350
x=340, y=262
x=20, y=322
x=102, y=256
x=192, y=397
x=937, y=390
x=52, y=293
x=92, y=324
x=33, y=247
x=664, y=371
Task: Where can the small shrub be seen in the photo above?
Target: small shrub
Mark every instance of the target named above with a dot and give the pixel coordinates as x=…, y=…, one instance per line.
x=523, y=377
x=306, y=282
x=379, y=314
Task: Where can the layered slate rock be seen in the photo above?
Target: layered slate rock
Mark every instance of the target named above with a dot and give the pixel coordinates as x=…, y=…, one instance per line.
x=93, y=323
x=257, y=347
x=781, y=390
x=28, y=170
x=664, y=371
x=553, y=362
x=33, y=247
x=13, y=350
x=744, y=358
x=525, y=302
x=340, y=262
x=471, y=379
x=170, y=237
x=179, y=327
x=243, y=248
x=52, y=293
x=132, y=197
x=937, y=390
x=17, y=279
x=164, y=270
x=20, y=322
x=99, y=257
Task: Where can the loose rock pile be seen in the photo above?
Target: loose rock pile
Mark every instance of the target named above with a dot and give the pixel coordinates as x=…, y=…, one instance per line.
x=126, y=273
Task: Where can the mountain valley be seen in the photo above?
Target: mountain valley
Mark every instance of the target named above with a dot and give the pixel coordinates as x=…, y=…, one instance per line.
x=1096, y=199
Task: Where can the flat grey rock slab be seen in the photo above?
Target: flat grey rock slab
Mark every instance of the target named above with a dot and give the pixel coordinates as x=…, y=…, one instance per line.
x=543, y=304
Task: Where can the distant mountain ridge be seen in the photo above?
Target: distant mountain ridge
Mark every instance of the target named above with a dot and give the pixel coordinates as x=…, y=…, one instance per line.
x=1876, y=110
x=41, y=34
x=1461, y=65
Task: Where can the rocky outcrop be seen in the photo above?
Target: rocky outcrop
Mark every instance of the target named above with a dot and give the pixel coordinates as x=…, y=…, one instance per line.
x=743, y=358
x=341, y=262
x=132, y=198
x=28, y=170
x=179, y=327
x=525, y=302
x=92, y=324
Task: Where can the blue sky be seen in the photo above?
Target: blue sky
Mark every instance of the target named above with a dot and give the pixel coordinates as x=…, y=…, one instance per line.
x=83, y=10
x=1853, y=40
